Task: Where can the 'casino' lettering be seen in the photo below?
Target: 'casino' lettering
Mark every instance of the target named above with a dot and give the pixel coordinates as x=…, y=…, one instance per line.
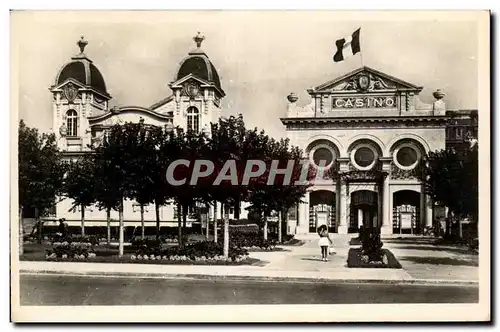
x=365, y=102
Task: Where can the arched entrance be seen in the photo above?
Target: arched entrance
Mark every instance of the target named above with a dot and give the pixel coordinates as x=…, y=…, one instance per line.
x=363, y=210
x=322, y=210
x=406, y=212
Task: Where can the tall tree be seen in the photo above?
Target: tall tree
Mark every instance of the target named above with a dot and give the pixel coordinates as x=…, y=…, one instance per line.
x=106, y=194
x=165, y=147
x=451, y=179
x=141, y=165
x=114, y=160
x=41, y=171
x=228, y=153
x=79, y=185
x=284, y=191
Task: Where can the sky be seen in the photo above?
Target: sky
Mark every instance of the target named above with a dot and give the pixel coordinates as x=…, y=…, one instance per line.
x=261, y=57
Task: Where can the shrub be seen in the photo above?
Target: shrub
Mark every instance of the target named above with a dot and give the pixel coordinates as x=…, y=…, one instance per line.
x=92, y=240
x=371, y=245
x=249, y=240
x=146, y=243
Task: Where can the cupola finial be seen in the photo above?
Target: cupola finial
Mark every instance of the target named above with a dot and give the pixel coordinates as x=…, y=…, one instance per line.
x=81, y=44
x=198, y=39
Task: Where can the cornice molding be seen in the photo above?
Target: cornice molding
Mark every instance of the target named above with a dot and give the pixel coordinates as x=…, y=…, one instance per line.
x=330, y=122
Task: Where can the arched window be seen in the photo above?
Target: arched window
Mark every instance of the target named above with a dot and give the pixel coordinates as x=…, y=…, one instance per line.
x=193, y=119
x=72, y=123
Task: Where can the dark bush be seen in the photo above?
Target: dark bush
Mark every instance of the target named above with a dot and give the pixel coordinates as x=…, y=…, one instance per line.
x=146, y=243
x=371, y=245
x=247, y=239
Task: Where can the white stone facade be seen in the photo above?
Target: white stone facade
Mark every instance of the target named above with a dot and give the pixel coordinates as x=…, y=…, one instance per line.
x=374, y=130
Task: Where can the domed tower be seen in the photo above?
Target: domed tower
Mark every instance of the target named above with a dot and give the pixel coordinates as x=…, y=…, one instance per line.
x=78, y=93
x=197, y=91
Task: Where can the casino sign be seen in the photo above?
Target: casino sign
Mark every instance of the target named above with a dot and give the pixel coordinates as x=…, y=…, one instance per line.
x=364, y=102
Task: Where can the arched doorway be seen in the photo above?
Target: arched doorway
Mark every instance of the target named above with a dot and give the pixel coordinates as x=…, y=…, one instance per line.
x=363, y=210
x=406, y=212
x=322, y=210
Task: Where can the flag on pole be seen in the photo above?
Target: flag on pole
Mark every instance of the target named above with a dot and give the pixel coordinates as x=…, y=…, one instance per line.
x=347, y=46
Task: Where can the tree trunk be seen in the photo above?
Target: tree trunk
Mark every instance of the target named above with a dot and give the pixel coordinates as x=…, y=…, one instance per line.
x=184, y=217
x=83, y=220
x=265, y=226
x=184, y=220
x=226, y=231
x=284, y=220
x=207, y=226
x=237, y=210
x=38, y=225
x=157, y=211
x=121, y=239
x=21, y=231
x=142, y=222
x=179, y=225
x=280, y=227
x=215, y=222
x=108, y=222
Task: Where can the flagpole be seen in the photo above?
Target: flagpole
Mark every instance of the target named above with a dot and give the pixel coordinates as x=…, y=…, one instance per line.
x=361, y=47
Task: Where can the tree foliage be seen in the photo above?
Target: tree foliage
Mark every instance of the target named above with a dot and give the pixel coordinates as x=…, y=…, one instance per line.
x=132, y=162
x=451, y=179
x=41, y=169
x=79, y=182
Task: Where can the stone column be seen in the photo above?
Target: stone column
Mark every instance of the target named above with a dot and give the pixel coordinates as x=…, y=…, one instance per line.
x=342, y=207
x=428, y=211
x=423, y=211
x=303, y=217
x=386, y=227
x=380, y=204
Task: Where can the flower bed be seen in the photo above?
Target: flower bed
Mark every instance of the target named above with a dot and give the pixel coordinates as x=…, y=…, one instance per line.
x=204, y=251
x=70, y=250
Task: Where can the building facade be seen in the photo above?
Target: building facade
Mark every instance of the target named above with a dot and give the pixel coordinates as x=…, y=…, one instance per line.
x=369, y=127
x=373, y=130
x=462, y=129
x=82, y=113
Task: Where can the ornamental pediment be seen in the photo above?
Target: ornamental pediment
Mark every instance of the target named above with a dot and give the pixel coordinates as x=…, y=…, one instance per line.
x=365, y=80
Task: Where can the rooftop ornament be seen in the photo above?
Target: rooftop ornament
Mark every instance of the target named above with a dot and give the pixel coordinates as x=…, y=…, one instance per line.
x=292, y=97
x=438, y=94
x=198, y=39
x=81, y=44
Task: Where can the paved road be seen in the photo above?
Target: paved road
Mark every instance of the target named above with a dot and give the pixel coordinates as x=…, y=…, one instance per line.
x=69, y=290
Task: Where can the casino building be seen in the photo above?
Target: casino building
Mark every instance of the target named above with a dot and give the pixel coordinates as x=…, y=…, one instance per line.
x=368, y=126
x=373, y=129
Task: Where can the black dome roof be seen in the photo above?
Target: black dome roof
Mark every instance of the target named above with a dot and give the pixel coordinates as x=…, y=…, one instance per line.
x=84, y=72
x=82, y=69
x=200, y=66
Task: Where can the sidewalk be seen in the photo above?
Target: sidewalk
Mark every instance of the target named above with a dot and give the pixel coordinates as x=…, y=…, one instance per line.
x=423, y=259
x=301, y=263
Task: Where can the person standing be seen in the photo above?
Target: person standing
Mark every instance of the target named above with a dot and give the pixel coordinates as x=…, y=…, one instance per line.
x=324, y=242
x=63, y=228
